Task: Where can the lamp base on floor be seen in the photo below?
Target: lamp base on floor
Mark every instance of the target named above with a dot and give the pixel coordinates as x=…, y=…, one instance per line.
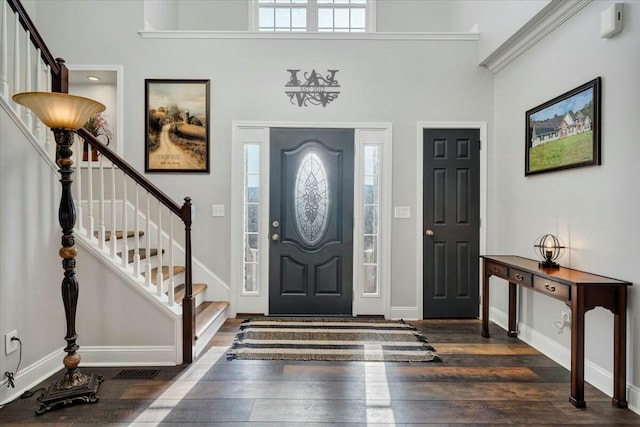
x=73, y=388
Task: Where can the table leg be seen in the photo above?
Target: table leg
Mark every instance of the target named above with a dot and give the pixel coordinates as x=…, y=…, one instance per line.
x=577, y=347
x=485, y=300
x=620, y=350
x=512, y=330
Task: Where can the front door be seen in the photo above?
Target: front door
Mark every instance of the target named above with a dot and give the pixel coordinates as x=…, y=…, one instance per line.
x=311, y=221
x=451, y=223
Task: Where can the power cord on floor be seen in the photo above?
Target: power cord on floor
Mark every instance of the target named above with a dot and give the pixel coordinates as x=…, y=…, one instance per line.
x=11, y=377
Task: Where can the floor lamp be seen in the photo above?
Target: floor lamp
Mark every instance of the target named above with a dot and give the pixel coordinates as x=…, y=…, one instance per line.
x=65, y=114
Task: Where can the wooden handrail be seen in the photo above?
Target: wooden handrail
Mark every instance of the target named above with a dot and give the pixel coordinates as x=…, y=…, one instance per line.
x=130, y=171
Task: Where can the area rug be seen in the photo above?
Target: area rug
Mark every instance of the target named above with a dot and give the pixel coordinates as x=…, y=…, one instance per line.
x=331, y=340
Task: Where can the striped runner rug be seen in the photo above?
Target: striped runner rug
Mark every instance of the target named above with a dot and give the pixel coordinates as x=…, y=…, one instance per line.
x=331, y=340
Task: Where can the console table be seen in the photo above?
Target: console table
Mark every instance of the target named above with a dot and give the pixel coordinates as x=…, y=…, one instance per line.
x=579, y=290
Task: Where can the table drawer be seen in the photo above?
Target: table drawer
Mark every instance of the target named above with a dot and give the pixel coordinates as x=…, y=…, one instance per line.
x=520, y=277
x=551, y=288
x=496, y=270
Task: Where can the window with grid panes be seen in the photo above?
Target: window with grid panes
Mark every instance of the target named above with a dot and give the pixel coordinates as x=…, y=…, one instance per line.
x=312, y=15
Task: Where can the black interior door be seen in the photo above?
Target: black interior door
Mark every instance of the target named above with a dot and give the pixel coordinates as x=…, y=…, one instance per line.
x=311, y=228
x=451, y=223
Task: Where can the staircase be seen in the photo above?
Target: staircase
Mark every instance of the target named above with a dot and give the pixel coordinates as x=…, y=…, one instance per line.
x=122, y=218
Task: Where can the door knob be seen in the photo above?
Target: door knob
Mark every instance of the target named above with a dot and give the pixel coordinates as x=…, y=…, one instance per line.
x=275, y=237
x=275, y=224
x=429, y=232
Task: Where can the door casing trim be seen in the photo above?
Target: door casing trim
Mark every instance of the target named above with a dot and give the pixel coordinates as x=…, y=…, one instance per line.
x=482, y=128
x=258, y=132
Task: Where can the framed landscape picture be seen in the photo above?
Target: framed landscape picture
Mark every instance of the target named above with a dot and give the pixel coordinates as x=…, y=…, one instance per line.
x=176, y=125
x=564, y=132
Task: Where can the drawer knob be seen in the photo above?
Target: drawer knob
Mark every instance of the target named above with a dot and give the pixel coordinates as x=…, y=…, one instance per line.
x=519, y=277
x=549, y=287
x=494, y=269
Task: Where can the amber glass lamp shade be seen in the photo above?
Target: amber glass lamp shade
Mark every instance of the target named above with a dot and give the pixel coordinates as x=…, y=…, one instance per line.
x=60, y=110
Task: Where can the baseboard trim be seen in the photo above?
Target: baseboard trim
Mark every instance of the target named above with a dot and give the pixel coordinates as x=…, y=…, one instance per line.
x=32, y=375
x=634, y=398
x=405, y=313
x=104, y=356
x=594, y=374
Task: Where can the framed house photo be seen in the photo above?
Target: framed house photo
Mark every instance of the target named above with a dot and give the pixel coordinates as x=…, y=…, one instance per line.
x=564, y=132
x=176, y=125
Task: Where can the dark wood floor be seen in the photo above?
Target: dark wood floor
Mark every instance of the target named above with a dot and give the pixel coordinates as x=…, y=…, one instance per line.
x=499, y=381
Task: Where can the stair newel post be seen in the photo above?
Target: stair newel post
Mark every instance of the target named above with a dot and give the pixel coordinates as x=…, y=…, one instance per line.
x=60, y=80
x=188, y=303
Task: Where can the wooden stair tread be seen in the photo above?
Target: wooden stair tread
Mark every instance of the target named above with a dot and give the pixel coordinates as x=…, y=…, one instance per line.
x=142, y=252
x=119, y=234
x=197, y=288
x=177, y=269
x=207, y=312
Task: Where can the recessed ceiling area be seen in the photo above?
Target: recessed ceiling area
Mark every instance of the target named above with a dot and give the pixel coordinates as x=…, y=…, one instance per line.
x=81, y=77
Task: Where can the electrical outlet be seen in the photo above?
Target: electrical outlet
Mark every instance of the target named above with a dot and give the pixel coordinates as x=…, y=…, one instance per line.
x=10, y=345
x=218, y=210
x=565, y=316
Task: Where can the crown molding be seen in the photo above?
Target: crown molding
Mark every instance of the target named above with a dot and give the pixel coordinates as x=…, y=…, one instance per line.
x=544, y=22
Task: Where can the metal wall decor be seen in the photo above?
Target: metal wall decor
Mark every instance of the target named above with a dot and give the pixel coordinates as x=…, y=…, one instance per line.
x=316, y=89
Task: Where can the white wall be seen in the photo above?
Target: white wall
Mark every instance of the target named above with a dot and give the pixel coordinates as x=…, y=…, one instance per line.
x=496, y=20
x=382, y=81
x=160, y=15
x=30, y=271
x=399, y=16
x=213, y=15
x=594, y=210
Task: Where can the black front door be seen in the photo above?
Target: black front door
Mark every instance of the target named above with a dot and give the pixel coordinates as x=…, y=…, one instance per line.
x=311, y=221
x=451, y=207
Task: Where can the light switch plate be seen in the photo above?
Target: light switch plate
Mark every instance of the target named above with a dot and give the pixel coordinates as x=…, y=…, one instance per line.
x=402, y=212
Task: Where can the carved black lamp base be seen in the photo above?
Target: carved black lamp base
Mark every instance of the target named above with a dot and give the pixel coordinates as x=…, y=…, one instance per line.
x=80, y=389
x=548, y=264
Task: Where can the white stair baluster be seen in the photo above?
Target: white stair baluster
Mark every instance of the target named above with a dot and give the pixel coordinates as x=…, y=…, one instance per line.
x=172, y=283
x=28, y=115
x=4, y=53
x=125, y=227
x=89, y=169
x=147, y=234
x=40, y=136
x=101, y=226
x=136, y=234
x=50, y=144
x=113, y=242
x=16, y=65
x=78, y=183
x=160, y=276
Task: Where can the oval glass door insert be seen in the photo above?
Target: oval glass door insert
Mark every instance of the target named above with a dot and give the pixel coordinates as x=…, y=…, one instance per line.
x=311, y=199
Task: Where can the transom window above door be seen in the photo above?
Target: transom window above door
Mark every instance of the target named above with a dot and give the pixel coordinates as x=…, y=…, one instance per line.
x=314, y=15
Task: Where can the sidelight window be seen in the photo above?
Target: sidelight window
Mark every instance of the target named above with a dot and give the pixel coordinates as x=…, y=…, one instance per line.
x=251, y=216
x=371, y=220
